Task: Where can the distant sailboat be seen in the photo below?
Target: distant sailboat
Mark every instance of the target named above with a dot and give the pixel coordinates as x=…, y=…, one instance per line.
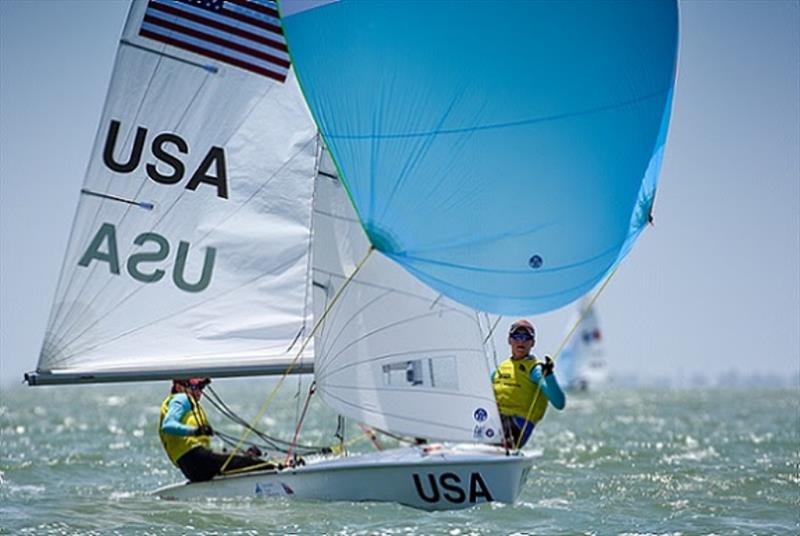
x=582, y=363
x=215, y=233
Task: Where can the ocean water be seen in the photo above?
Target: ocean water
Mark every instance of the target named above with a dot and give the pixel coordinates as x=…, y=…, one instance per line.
x=82, y=459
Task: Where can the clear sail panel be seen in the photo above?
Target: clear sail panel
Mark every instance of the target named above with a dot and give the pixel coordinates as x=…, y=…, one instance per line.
x=392, y=353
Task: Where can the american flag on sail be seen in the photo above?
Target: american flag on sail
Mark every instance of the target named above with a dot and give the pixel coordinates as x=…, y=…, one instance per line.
x=244, y=33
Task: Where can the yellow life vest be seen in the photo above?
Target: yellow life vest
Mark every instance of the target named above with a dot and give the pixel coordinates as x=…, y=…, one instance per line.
x=515, y=391
x=177, y=446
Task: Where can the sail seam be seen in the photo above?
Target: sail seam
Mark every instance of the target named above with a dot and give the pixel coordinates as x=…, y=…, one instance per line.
x=507, y=124
x=206, y=67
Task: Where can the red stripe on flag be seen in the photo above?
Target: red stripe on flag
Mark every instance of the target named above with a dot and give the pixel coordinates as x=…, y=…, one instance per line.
x=250, y=20
x=218, y=40
x=214, y=55
x=220, y=26
x=261, y=8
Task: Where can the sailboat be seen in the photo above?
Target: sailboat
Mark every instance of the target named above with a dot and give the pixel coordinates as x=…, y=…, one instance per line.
x=353, y=188
x=582, y=364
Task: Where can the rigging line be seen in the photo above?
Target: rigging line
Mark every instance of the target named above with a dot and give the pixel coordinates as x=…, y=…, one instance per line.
x=371, y=435
x=564, y=342
x=369, y=284
x=238, y=420
x=83, y=238
x=317, y=325
x=339, y=433
x=311, y=391
x=165, y=316
x=323, y=332
x=398, y=438
x=492, y=328
x=138, y=193
x=174, y=203
x=493, y=345
x=230, y=440
x=272, y=442
x=307, y=300
x=338, y=449
x=227, y=412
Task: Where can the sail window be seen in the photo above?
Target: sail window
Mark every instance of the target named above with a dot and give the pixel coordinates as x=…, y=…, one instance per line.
x=431, y=372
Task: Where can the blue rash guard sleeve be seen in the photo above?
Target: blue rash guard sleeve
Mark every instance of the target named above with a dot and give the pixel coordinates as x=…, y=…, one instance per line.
x=178, y=407
x=550, y=387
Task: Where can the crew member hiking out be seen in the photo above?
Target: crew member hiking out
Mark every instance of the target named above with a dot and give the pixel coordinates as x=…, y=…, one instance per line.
x=186, y=435
x=519, y=381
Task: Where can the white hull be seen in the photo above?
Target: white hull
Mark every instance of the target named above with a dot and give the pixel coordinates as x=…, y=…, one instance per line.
x=430, y=477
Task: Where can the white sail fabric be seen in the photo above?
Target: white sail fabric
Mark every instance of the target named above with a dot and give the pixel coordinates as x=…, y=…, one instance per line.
x=582, y=362
x=392, y=353
x=190, y=249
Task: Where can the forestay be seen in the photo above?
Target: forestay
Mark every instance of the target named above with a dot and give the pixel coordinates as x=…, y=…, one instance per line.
x=392, y=353
x=190, y=249
x=505, y=153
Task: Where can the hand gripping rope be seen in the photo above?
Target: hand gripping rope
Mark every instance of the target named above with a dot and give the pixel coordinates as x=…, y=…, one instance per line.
x=564, y=342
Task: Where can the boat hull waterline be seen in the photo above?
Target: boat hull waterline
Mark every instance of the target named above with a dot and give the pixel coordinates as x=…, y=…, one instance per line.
x=429, y=477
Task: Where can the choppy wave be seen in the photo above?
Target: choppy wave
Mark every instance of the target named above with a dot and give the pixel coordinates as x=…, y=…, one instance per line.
x=81, y=460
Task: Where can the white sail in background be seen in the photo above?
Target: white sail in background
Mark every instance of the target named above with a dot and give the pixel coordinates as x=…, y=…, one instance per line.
x=190, y=248
x=392, y=353
x=582, y=363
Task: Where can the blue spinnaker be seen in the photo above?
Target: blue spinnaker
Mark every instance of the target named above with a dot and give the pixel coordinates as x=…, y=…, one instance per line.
x=505, y=153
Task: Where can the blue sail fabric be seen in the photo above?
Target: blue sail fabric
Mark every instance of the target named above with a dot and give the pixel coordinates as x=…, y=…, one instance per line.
x=505, y=153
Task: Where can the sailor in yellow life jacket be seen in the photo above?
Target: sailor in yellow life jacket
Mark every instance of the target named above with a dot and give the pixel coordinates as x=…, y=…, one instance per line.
x=518, y=379
x=186, y=435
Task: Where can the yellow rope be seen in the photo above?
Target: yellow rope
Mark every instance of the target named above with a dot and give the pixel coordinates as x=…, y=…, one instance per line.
x=274, y=391
x=265, y=465
x=338, y=449
x=564, y=342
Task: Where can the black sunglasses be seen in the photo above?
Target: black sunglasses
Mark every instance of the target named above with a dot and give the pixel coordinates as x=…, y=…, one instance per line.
x=521, y=336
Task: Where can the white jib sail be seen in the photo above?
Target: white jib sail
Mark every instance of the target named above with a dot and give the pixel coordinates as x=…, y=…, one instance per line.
x=392, y=353
x=190, y=249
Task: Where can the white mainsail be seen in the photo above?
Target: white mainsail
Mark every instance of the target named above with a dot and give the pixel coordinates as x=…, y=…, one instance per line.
x=190, y=249
x=392, y=353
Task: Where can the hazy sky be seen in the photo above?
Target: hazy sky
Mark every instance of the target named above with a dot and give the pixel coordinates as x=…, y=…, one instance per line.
x=713, y=286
